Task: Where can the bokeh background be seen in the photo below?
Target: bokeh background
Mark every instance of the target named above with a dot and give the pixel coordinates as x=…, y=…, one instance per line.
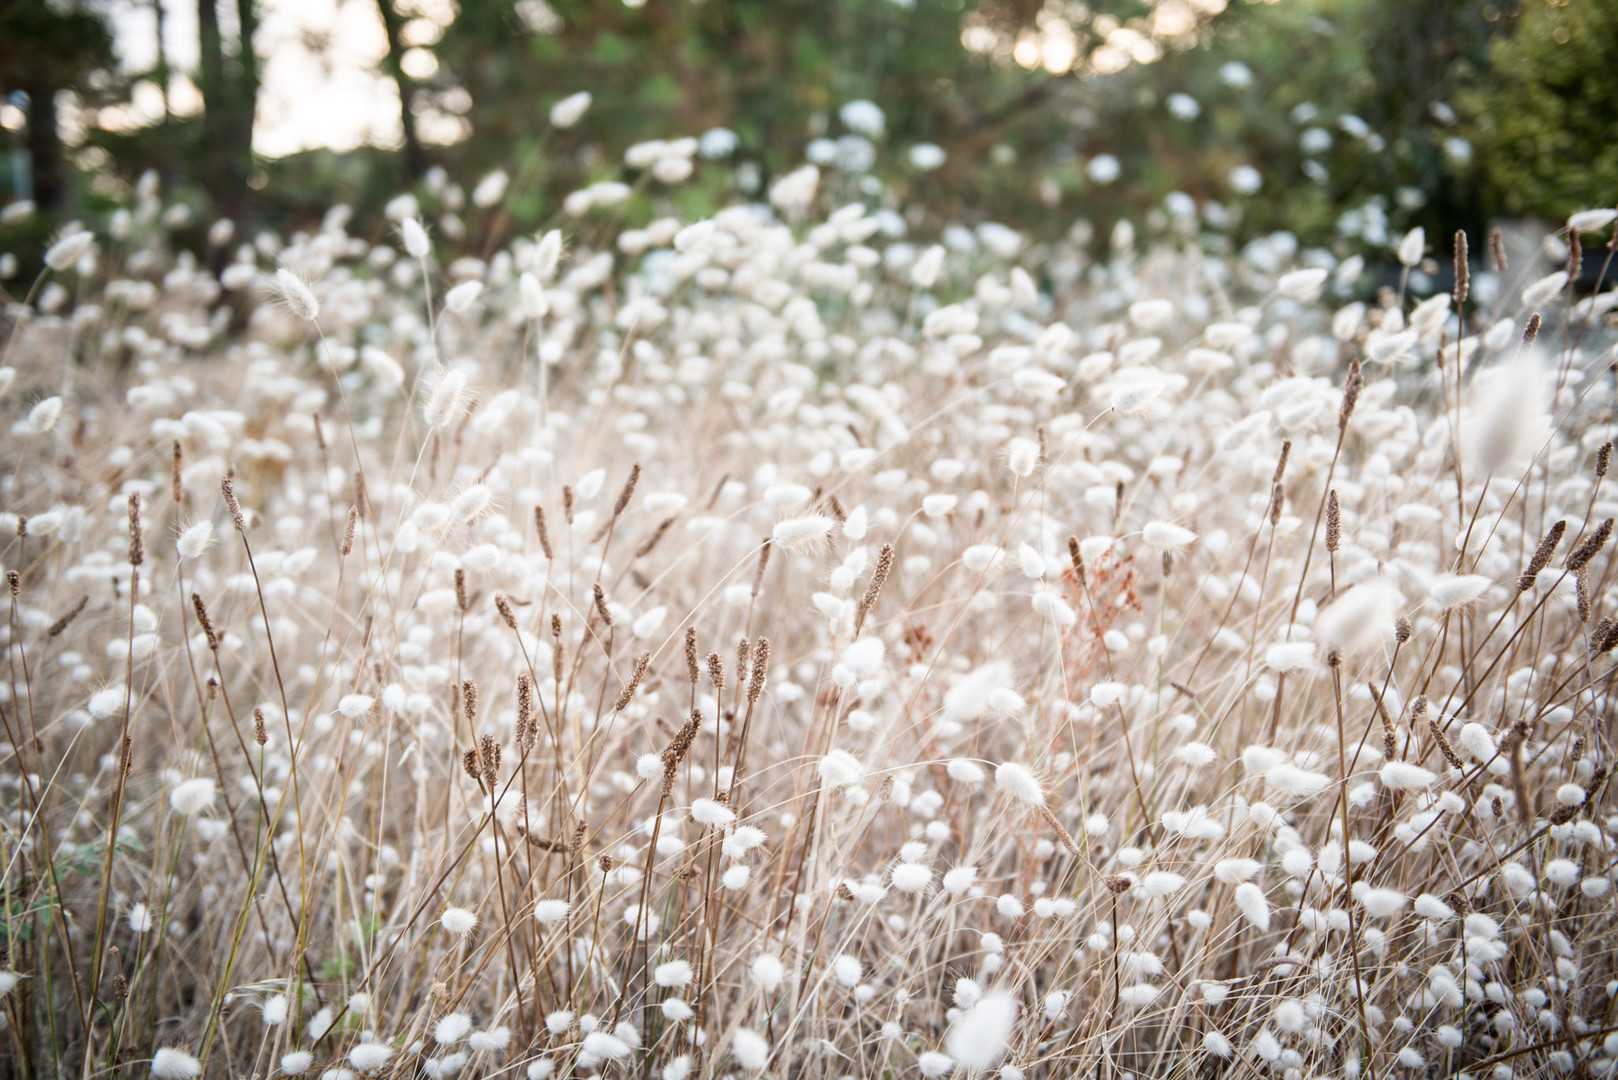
x=1341, y=122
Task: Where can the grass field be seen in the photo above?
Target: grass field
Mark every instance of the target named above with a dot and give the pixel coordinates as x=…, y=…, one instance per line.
x=772, y=645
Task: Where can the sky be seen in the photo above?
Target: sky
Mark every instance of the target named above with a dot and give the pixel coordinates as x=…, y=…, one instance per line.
x=321, y=83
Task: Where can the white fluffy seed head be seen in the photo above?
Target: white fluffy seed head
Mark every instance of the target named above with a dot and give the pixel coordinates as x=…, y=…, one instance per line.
x=370, y=1056
x=170, y=1063
x=191, y=797
x=461, y=298
x=802, y=533
x=751, y=1050
x=452, y=1028
x=1019, y=784
x=416, y=243
x=978, y=1038
x=1405, y=776
x=458, y=921
x=43, y=416
x=1458, y=590
x=194, y=540
x=1290, y=656
x=550, y=912
x=1167, y=536
x=62, y=255
x=768, y=972
x=711, y=813
x=296, y=294
x=1250, y=901
x=570, y=110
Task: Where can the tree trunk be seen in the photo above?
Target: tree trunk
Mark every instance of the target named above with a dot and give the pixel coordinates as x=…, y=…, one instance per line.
x=415, y=157
x=45, y=150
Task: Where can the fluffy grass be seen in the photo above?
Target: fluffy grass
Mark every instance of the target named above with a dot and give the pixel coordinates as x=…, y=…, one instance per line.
x=763, y=648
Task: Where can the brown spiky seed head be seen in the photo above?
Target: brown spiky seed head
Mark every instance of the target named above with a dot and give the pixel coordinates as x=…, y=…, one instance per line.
x=227, y=487
x=693, y=668
x=1351, y=395
x=1589, y=547
x=544, y=533
x=628, y=491
x=630, y=687
x=1076, y=557
x=206, y=623
x=1542, y=556
x=1463, y=272
x=763, y=565
x=137, y=538
x=761, y=665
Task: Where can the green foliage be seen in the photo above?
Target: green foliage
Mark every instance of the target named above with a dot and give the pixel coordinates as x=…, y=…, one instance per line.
x=1544, y=119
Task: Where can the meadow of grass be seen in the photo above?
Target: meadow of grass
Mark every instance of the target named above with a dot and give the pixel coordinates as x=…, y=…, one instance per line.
x=773, y=645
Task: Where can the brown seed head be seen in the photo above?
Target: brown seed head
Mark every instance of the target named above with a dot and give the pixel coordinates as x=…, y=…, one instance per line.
x=763, y=564
x=1530, y=330
x=503, y=606
x=879, y=576
x=1334, y=522
x=1463, y=272
x=261, y=731
x=228, y=488
x=206, y=623
x=761, y=665
x=489, y=759
x=628, y=491
x=1077, y=558
x=630, y=687
x=62, y=624
x=654, y=539
x=462, y=600
x=1603, y=459
x=1497, y=248
x=176, y=488
x=693, y=668
x=1351, y=395
x=716, y=672
x=137, y=538
x=349, y=530
x=601, y=606
x=1281, y=462
x=544, y=533
x=469, y=700
x=1541, y=556
x=1589, y=547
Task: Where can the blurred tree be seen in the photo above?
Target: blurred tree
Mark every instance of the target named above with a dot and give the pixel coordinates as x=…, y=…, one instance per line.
x=1545, y=119
x=415, y=158
x=46, y=48
x=773, y=72
x=230, y=85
